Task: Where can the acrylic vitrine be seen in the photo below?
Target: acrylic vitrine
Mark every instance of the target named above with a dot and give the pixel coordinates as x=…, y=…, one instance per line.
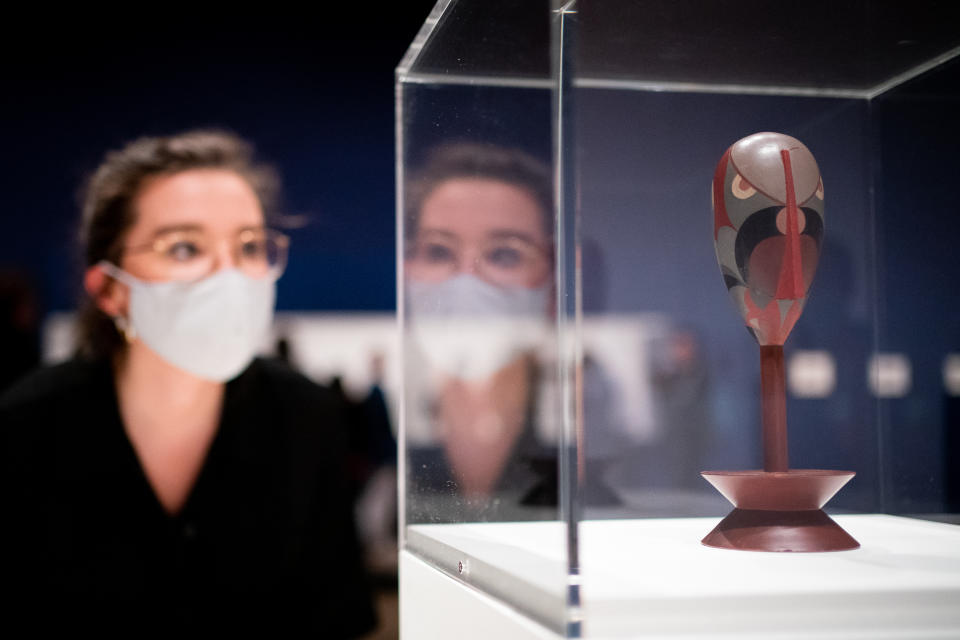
x=573, y=362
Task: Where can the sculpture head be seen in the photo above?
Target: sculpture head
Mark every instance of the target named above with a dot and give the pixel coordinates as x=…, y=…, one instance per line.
x=767, y=230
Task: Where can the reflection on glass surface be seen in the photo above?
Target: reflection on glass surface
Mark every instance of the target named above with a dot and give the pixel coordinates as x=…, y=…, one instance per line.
x=477, y=290
x=890, y=375
x=811, y=374
x=478, y=266
x=667, y=384
x=951, y=374
x=645, y=158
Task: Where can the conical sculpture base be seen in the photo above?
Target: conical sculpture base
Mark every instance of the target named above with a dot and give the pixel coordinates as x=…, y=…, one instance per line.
x=779, y=511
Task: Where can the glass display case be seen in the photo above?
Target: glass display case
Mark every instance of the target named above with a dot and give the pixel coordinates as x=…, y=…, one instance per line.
x=572, y=360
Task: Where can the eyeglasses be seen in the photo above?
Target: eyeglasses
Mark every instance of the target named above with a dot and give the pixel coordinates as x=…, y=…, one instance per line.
x=191, y=254
x=508, y=261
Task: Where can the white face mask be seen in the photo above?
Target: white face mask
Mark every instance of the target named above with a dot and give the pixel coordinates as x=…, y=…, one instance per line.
x=469, y=329
x=210, y=328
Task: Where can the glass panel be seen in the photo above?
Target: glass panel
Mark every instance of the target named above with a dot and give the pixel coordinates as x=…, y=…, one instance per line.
x=671, y=377
x=677, y=391
x=671, y=373
x=479, y=290
x=561, y=405
x=917, y=135
x=853, y=50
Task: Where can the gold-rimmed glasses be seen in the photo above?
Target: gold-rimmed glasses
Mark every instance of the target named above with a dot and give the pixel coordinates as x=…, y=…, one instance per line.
x=191, y=253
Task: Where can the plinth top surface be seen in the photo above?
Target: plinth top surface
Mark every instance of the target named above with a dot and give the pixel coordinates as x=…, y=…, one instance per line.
x=634, y=573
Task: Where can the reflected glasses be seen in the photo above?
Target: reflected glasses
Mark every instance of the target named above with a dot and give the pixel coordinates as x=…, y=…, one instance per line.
x=510, y=261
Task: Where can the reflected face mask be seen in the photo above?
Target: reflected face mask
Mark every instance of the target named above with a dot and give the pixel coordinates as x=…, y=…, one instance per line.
x=469, y=329
x=210, y=328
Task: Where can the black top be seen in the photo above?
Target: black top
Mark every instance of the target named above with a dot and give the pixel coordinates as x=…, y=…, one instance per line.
x=264, y=542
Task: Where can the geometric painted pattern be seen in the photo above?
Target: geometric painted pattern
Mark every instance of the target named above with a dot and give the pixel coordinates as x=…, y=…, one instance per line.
x=768, y=225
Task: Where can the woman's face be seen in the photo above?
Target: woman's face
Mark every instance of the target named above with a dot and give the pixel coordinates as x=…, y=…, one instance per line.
x=194, y=223
x=483, y=227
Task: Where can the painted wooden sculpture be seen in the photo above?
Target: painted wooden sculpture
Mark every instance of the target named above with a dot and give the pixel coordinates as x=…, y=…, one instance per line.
x=768, y=231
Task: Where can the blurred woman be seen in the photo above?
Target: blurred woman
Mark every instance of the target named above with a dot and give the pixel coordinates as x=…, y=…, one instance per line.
x=478, y=275
x=167, y=478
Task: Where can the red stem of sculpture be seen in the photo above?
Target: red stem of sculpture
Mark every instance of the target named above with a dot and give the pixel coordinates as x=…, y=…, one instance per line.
x=774, y=408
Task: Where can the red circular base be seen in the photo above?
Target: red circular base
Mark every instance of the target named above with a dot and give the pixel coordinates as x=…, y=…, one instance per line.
x=793, y=490
x=779, y=510
x=800, y=531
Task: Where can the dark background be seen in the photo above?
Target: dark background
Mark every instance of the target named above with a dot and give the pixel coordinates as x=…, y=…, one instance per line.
x=315, y=94
x=886, y=281
x=917, y=135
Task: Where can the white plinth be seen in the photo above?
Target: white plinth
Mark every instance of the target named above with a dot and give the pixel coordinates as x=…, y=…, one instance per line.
x=653, y=578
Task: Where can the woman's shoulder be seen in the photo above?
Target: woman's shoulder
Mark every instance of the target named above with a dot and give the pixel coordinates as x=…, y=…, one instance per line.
x=55, y=386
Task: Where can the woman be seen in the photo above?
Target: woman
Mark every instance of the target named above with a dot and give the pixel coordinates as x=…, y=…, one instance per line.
x=168, y=479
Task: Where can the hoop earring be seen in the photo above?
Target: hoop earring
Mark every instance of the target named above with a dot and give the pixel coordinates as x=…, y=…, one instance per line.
x=125, y=328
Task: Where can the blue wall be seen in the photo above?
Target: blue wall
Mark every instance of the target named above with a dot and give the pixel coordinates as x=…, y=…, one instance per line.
x=919, y=223
x=315, y=96
x=885, y=282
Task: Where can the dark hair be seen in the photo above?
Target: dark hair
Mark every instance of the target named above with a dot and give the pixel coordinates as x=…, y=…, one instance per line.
x=480, y=161
x=109, y=195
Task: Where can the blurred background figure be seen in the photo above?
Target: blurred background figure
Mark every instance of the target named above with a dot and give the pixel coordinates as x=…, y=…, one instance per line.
x=166, y=476
x=375, y=450
x=19, y=327
x=478, y=292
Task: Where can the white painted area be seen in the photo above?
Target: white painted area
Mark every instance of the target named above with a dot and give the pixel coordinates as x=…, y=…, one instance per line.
x=951, y=374
x=653, y=578
x=434, y=606
x=889, y=375
x=324, y=345
x=621, y=347
x=811, y=374
x=618, y=353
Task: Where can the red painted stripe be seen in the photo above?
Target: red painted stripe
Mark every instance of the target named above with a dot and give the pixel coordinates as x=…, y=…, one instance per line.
x=790, y=284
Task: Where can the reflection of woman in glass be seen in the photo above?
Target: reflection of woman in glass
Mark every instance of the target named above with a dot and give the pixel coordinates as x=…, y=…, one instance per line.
x=478, y=270
x=168, y=478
